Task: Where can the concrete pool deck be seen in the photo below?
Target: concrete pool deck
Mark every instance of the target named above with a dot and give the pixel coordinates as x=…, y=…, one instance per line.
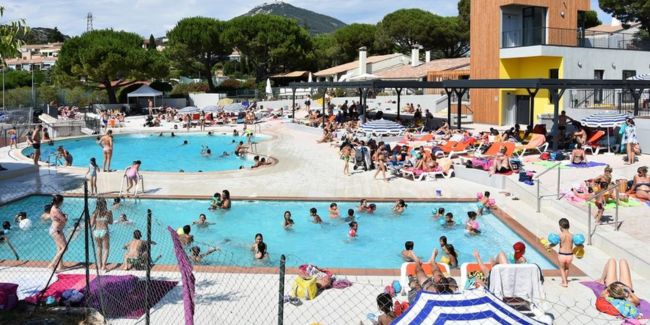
x=308, y=169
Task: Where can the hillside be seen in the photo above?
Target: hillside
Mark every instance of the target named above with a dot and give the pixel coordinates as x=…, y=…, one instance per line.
x=43, y=35
x=314, y=22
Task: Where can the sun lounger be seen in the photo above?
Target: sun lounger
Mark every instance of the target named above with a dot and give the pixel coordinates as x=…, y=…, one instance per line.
x=537, y=142
x=419, y=175
x=495, y=148
x=593, y=143
x=466, y=269
x=408, y=269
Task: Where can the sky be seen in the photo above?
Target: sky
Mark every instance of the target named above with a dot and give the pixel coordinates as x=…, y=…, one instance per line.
x=156, y=17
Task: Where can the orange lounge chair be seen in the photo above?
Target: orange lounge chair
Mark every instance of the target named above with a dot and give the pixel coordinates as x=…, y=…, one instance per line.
x=495, y=148
x=408, y=269
x=466, y=269
x=537, y=142
x=459, y=149
x=448, y=146
x=593, y=143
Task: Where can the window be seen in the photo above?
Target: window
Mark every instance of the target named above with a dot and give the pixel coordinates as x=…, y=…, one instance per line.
x=534, y=26
x=598, y=93
x=628, y=74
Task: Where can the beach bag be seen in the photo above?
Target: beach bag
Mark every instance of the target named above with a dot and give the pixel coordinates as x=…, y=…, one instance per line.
x=557, y=156
x=8, y=296
x=515, y=164
x=304, y=288
x=524, y=176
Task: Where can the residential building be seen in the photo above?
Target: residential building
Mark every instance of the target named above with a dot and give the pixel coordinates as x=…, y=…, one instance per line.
x=514, y=39
x=364, y=67
x=161, y=43
x=38, y=57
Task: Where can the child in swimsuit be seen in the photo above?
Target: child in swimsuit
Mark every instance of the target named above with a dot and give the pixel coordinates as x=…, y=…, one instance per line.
x=132, y=175
x=440, y=213
x=565, y=253
x=354, y=227
x=316, y=218
x=288, y=222
x=334, y=211
x=216, y=201
x=197, y=257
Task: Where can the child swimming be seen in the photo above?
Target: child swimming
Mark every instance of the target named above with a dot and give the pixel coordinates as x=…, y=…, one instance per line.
x=197, y=257
x=439, y=213
x=483, y=203
x=449, y=220
x=350, y=216
x=288, y=222
x=334, y=211
x=472, y=225
x=216, y=202
x=315, y=217
x=407, y=253
x=202, y=222
x=354, y=227
x=399, y=207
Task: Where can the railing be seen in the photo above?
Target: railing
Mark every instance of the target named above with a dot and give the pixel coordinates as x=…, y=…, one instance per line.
x=609, y=99
x=571, y=37
x=589, y=199
x=537, y=178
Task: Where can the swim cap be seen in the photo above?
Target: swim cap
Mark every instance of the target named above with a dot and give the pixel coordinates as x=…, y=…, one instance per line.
x=579, y=239
x=554, y=239
x=520, y=249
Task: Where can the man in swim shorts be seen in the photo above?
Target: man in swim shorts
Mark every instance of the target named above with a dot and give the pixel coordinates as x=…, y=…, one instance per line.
x=36, y=143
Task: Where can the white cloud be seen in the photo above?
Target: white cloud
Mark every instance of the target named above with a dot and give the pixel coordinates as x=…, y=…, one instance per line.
x=157, y=16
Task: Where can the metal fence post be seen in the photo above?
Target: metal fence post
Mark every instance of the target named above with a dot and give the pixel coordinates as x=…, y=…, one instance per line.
x=281, y=291
x=148, y=257
x=616, y=215
x=86, y=238
x=589, y=223
x=558, y=181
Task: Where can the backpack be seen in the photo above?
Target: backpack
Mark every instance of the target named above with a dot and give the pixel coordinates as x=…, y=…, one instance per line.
x=545, y=156
x=304, y=288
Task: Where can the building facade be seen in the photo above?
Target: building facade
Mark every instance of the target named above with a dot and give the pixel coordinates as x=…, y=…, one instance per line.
x=517, y=39
x=37, y=57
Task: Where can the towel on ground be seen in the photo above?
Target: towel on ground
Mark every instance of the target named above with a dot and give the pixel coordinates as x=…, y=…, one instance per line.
x=516, y=280
x=548, y=164
x=587, y=165
x=597, y=288
x=631, y=203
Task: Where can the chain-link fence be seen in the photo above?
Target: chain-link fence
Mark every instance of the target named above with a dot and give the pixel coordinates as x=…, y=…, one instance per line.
x=124, y=264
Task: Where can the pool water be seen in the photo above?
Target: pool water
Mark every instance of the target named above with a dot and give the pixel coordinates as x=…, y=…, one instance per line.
x=157, y=153
x=381, y=235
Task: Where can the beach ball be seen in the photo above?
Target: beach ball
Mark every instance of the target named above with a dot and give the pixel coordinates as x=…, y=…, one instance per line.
x=579, y=239
x=579, y=251
x=397, y=287
x=442, y=221
x=554, y=239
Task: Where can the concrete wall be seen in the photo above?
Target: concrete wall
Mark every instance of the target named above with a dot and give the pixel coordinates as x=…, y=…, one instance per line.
x=387, y=64
x=202, y=100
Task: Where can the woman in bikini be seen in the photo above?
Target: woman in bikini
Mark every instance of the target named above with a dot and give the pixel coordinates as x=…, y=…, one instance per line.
x=641, y=184
x=501, y=163
x=618, y=292
x=226, y=203
x=381, y=166
x=99, y=221
x=13, y=138
x=598, y=184
x=578, y=155
x=106, y=142
x=59, y=219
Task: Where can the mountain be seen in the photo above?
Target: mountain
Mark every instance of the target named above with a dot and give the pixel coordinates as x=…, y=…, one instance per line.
x=42, y=35
x=314, y=22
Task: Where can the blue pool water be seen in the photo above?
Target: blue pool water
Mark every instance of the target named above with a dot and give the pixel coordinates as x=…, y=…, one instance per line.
x=164, y=153
x=380, y=238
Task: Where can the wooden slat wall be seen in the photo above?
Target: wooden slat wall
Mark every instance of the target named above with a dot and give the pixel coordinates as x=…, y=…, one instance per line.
x=486, y=37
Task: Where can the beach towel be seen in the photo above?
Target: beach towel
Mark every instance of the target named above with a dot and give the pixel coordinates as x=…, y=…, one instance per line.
x=631, y=203
x=548, y=164
x=64, y=282
x=597, y=288
x=587, y=165
x=516, y=280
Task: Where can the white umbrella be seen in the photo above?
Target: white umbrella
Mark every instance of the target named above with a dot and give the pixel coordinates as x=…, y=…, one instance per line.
x=234, y=108
x=363, y=77
x=269, y=90
x=212, y=109
x=605, y=120
x=383, y=125
x=645, y=76
x=188, y=110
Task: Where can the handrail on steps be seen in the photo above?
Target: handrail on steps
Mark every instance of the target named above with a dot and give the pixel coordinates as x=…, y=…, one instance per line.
x=536, y=178
x=593, y=196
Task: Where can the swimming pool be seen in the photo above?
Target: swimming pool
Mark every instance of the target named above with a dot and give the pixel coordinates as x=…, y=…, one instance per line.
x=157, y=153
x=380, y=238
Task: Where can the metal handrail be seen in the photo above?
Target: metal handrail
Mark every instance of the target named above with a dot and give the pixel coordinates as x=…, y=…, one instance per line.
x=593, y=196
x=536, y=178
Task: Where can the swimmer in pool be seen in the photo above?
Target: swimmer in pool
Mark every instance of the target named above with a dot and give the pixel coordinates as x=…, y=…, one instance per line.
x=288, y=222
x=185, y=236
x=334, y=211
x=206, y=152
x=313, y=213
x=449, y=220
x=224, y=154
x=116, y=202
x=440, y=213
x=354, y=228
x=399, y=207
x=197, y=257
x=261, y=252
x=124, y=220
x=202, y=222
x=350, y=216
x=185, y=142
x=363, y=205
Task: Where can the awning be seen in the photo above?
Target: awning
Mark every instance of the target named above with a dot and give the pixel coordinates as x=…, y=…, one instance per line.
x=145, y=91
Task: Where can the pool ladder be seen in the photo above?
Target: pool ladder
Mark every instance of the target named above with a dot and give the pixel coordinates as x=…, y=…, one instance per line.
x=135, y=191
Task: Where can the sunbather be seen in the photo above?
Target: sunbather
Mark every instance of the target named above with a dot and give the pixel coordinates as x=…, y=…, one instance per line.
x=641, y=184
x=619, y=292
x=578, y=155
x=501, y=162
x=437, y=283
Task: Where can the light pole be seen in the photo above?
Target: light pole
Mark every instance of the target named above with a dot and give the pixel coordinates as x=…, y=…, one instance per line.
x=33, y=96
x=3, y=88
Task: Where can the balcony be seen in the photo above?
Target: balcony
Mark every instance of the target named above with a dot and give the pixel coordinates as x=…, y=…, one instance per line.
x=572, y=38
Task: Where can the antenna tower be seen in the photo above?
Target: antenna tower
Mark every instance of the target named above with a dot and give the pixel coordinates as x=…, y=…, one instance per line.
x=89, y=22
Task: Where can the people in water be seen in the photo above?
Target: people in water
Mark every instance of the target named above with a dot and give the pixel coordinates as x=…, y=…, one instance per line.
x=313, y=213
x=288, y=222
x=184, y=235
x=400, y=206
x=334, y=210
x=202, y=222
x=215, y=203
x=197, y=257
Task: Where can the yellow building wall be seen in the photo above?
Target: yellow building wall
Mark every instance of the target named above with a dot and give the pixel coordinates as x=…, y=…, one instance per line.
x=529, y=68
